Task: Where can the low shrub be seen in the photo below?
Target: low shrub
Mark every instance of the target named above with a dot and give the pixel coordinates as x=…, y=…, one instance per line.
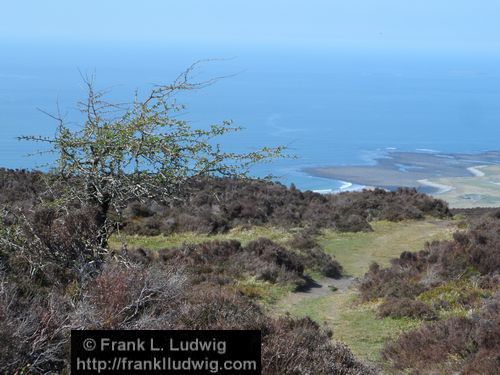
x=455, y=345
x=216, y=205
x=261, y=258
x=301, y=347
x=50, y=247
x=396, y=282
x=406, y=307
x=35, y=332
x=455, y=294
x=312, y=255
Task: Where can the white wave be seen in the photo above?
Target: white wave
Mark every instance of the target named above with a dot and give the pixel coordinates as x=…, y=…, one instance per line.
x=345, y=185
x=324, y=191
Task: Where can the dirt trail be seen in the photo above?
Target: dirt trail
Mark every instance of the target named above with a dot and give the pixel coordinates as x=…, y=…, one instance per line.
x=357, y=325
x=319, y=288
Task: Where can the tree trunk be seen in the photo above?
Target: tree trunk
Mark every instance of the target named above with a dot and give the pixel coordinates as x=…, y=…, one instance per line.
x=102, y=223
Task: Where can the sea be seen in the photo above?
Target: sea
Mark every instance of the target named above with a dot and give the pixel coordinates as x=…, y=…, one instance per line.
x=327, y=105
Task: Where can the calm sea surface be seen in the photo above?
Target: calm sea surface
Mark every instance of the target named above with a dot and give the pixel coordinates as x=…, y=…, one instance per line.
x=330, y=107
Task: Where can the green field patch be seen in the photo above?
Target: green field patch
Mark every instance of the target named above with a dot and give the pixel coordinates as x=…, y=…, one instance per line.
x=244, y=235
x=356, y=325
x=262, y=291
x=356, y=251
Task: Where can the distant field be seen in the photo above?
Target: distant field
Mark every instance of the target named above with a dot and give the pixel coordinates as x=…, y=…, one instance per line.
x=474, y=191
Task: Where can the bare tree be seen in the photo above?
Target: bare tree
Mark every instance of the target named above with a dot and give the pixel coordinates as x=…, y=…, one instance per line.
x=140, y=151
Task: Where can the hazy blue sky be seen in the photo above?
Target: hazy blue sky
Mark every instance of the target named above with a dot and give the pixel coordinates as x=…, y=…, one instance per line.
x=429, y=24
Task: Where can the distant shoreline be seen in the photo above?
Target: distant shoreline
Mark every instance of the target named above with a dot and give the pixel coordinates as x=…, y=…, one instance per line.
x=411, y=169
x=441, y=188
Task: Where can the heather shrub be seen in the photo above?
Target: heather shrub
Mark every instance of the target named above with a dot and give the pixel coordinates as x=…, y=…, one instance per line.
x=213, y=205
x=353, y=223
x=395, y=281
x=212, y=307
x=224, y=261
x=33, y=331
x=468, y=345
x=50, y=247
x=216, y=205
x=474, y=254
x=301, y=347
x=406, y=307
x=312, y=255
x=123, y=295
x=431, y=346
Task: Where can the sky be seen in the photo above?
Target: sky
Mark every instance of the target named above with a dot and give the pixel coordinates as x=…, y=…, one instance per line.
x=461, y=25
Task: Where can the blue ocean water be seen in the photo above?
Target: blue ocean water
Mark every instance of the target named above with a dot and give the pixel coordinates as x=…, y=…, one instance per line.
x=329, y=106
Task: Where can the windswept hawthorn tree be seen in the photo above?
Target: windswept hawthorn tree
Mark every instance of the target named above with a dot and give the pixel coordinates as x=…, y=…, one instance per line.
x=138, y=151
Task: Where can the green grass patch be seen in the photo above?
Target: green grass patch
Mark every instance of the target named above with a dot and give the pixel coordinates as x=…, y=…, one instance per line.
x=354, y=324
x=365, y=333
x=243, y=235
x=262, y=291
x=356, y=251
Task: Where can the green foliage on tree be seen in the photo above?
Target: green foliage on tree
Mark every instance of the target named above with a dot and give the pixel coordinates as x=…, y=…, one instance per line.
x=141, y=150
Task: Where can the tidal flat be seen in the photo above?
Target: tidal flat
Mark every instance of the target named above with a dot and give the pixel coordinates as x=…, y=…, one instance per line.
x=463, y=180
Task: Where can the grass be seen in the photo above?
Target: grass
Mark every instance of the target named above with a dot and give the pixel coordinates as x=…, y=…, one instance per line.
x=264, y=292
x=354, y=323
x=243, y=235
x=356, y=251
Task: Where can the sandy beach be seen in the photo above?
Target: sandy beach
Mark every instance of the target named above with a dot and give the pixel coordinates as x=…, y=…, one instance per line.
x=441, y=188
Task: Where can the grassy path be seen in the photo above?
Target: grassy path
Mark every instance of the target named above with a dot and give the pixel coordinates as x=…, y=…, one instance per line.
x=354, y=323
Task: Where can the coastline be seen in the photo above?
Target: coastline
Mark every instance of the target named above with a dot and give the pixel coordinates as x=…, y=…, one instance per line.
x=409, y=169
x=441, y=188
x=463, y=180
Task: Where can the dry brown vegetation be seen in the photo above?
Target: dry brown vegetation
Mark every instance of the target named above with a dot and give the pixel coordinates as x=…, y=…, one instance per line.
x=55, y=276
x=216, y=205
